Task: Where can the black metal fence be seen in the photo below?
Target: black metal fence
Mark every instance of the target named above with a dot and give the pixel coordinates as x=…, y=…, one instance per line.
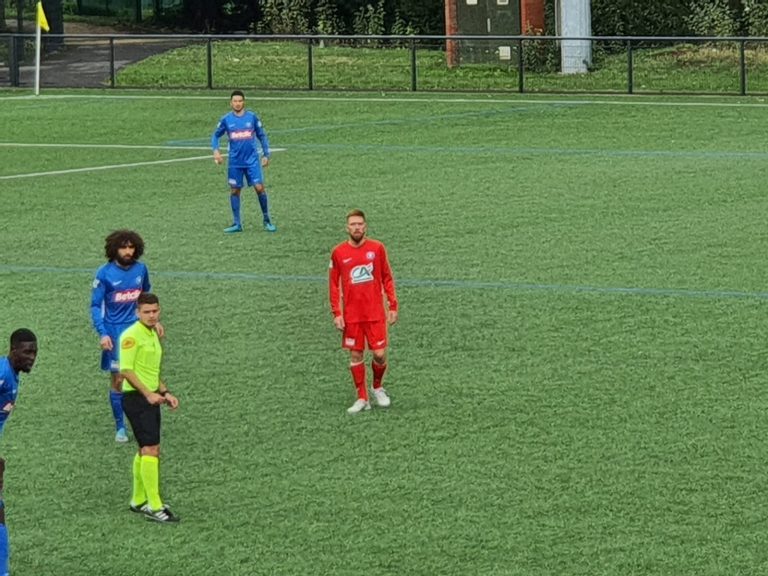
x=693, y=65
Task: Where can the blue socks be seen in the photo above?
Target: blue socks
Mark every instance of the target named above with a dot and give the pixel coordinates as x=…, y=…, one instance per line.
x=234, y=201
x=116, y=400
x=264, y=206
x=4, y=550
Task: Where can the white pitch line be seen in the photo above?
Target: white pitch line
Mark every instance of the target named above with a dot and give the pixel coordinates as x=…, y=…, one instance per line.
x=108, y=167
x=625, y=100
x=116, y=146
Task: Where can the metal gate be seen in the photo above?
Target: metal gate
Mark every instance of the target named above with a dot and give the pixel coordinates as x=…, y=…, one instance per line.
x=487, y=17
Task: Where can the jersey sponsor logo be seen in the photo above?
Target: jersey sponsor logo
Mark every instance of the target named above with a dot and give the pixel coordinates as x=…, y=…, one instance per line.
x=361, y=274
x=117, y=283
x=127, y=295
x=346, y=260
x=128, y=343
x=370, y=255
x=241, y=135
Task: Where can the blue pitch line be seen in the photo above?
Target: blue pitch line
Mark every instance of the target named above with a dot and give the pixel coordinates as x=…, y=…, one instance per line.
x=386, y=122
x=408, y=121
x=420, y=283
x=674, y=154
x=514, y=151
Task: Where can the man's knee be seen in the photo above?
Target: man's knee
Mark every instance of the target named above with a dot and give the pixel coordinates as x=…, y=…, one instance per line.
x=151, y=450
x=259, y=188
x=117, y=381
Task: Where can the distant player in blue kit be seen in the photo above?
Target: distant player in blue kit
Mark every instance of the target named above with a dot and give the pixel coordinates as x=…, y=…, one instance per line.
x=243, y=128
x=21, y=358
x=116, y=289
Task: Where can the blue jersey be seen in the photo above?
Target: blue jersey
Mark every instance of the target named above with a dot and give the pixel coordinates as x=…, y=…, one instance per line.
x=242, y=132
x=114, y=295
x=9, y=387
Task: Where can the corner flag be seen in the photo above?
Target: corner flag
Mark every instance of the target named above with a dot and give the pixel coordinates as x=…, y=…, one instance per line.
x=41, y=24
x=42, y=21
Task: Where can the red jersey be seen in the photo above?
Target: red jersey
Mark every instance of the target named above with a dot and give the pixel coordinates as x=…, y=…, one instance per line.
x=365, y=277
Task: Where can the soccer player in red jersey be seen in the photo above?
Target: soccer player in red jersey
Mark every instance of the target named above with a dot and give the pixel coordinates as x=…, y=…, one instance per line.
x=359, y=278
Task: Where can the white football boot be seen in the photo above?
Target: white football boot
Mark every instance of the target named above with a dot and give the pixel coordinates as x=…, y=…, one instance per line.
x=359, y=406
x=381, y=397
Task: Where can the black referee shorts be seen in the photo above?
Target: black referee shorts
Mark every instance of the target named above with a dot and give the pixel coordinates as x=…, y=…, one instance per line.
x=144, y=418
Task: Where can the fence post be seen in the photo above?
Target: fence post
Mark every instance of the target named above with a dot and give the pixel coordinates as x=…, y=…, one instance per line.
x=310, y=66
x=209, y=63
x=413, y=65
x=13, y=61
x=520, y=67
x=742, y=69
x=112, y=80
x=630, y=69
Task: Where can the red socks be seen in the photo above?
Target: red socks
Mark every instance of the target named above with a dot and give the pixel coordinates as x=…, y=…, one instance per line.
x=378, y=373
x=358, y=377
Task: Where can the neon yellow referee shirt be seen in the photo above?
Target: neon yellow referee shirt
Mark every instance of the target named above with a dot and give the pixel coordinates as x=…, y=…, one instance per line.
x=140, y=352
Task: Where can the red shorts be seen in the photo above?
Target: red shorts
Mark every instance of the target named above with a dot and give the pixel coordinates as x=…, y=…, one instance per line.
x=357, y=333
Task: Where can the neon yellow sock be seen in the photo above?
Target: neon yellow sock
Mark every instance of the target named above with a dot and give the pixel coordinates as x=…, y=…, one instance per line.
x=139, y=495
x=150, y=474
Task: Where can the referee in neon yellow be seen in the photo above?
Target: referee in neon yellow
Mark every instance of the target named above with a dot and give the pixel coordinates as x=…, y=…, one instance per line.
x=144, y=392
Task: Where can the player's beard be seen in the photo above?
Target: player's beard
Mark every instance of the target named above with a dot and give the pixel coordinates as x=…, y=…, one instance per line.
x=125, y=262
x=357, y=237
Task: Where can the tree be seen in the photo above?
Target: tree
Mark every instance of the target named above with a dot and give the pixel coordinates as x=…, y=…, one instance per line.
x=200, y=15
x=54, y=13
x=327, y=18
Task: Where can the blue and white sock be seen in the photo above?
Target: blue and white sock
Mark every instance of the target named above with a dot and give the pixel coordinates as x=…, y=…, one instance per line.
x=234, y=201
x=264, y=203
x=116, y=400
x=4, y=550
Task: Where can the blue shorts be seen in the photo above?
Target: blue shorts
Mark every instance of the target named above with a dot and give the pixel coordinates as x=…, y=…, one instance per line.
x=110, y=359
x=252, y=175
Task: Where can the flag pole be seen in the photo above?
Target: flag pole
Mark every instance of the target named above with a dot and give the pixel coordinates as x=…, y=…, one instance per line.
x=41, y=23
x=38, y=41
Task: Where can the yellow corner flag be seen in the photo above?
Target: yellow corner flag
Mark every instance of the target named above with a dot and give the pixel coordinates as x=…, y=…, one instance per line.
x=42, y=21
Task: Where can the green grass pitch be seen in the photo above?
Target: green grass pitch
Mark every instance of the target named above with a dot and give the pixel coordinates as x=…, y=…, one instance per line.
x=578, y=374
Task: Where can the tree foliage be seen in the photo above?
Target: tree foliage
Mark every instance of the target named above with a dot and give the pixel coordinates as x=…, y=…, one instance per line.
x=308, y=16
x=609, y=17
x=633, y=18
